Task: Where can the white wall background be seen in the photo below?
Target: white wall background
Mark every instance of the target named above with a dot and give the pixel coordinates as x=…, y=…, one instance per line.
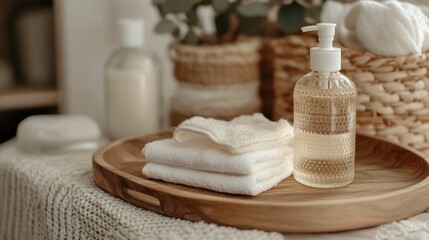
x=86, y=31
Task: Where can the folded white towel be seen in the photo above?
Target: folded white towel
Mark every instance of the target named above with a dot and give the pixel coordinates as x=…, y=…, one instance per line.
x=245, y=184
x=388, y=28
x=242, y=134
x=208, y=157
x=47, y=133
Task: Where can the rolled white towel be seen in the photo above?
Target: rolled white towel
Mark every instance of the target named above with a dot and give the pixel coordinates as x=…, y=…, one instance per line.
x=336, y=12
x=388, y=28
x=253, y=184
x=47, y=133
x=208, y=157
x=242, y=134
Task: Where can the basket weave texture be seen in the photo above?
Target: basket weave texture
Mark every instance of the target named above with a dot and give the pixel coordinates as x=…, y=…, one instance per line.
x=393, y=92
x=217, y=64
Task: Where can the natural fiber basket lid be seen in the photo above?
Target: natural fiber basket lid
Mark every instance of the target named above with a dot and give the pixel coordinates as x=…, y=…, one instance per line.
x=221, y=64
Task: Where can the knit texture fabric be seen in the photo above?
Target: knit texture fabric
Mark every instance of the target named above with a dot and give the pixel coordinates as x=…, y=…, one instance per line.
x=54, y=197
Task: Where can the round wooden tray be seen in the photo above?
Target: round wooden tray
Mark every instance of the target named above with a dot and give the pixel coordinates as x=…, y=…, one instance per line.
x=391, y=183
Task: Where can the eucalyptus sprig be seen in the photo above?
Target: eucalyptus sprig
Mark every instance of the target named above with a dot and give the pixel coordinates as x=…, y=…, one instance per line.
x=234, y=17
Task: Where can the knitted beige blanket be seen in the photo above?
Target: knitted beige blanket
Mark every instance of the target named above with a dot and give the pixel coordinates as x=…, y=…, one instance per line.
x=54, y=197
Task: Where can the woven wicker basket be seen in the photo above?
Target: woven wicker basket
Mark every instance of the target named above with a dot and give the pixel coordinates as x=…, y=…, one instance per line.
x=393, y=92
x=176, y=117
x=217, y=64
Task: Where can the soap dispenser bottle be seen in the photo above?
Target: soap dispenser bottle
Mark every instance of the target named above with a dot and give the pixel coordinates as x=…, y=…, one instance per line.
x=132, y=85
x=324, y=117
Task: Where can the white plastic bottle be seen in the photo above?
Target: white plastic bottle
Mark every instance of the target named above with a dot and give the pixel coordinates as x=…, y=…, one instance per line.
x=132, y=85
x=324, y=117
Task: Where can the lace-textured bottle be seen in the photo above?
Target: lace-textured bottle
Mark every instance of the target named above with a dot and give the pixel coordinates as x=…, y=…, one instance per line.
x=324, y=118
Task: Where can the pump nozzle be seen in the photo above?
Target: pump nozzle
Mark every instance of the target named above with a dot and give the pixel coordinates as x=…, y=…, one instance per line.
x=324, y=58
x=326, y=32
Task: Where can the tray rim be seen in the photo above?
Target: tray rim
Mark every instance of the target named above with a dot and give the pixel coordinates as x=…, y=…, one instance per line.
x=98, y=158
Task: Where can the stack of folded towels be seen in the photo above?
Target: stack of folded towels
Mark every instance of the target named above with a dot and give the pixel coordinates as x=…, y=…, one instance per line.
x=247, y=155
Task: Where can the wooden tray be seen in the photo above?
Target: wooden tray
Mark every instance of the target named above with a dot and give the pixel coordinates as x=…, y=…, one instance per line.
x=391, y=183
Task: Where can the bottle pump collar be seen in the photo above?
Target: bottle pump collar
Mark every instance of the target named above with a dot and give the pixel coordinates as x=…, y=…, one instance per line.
x=131, y=32
x=324, y=58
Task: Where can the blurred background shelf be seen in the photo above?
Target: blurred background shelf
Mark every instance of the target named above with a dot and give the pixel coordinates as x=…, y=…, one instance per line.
x=28, y=65
x=22, y=97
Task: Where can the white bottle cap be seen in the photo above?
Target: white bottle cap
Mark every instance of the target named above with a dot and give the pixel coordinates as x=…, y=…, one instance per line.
x=131, y=32
x=324, y=58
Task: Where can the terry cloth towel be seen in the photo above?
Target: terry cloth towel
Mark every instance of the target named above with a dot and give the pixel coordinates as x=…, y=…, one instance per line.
x=205, y=156
x=387, y=28
x=253, y=184
x=52, y=133
x=242, y=134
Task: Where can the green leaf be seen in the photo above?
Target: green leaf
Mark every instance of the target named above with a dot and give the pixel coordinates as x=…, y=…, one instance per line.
x=162, y=10
x=192, y=18
x=165, y=26
x=179, y=6
x=220, y=5
x=304, y=3
x=291, y=17
x=191, y=38
x=253, y=9
x=251, y=26
x=157, y=2
x=206, y=2
x=176, y=32
x=275, y=2
x=222, y=22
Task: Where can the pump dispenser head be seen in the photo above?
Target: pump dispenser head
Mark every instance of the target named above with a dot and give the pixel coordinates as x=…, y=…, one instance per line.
x=324, y=58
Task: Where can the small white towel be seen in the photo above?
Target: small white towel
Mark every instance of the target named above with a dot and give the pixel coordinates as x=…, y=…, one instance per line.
x=242, y=134
x=205, y=156
x=387, y=28
x=245, y=184
x=53, y=133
